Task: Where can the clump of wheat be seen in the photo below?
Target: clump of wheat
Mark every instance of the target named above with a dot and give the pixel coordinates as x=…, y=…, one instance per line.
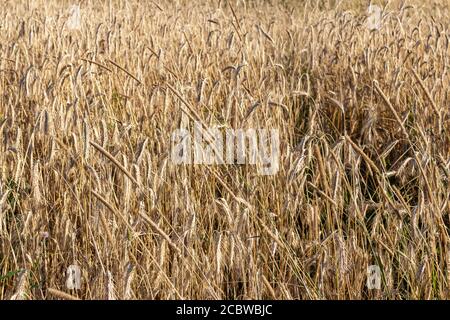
x=88, y=106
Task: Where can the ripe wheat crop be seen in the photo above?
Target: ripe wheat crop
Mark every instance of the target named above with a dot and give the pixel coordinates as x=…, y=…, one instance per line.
x=91, y=92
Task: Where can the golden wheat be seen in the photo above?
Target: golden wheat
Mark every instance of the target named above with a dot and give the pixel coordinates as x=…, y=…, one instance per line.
x=87, y=113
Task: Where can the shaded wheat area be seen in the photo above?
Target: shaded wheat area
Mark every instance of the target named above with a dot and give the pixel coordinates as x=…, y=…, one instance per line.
x=86, y=178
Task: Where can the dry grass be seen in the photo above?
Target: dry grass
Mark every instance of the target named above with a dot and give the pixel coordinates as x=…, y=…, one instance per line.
x=86, y=118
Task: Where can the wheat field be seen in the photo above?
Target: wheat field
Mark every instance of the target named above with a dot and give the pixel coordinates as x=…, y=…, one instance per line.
x=88, y=107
